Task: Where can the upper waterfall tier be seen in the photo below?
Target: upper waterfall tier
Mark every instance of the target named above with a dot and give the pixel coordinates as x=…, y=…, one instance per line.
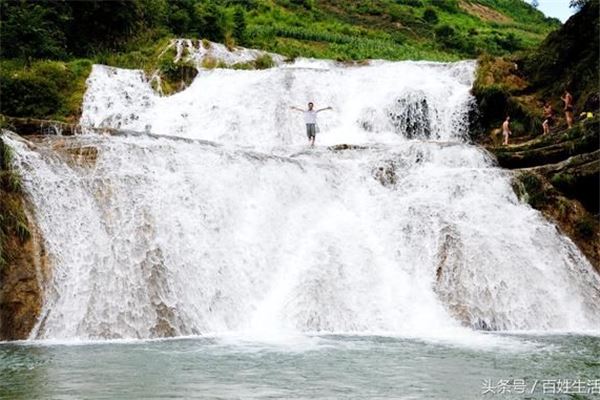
x=381, y=102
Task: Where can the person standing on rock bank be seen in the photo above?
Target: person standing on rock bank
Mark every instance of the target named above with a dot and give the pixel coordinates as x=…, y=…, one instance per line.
x=548, y=117
x=310, y=118
x=568, y=100
x=506, y=130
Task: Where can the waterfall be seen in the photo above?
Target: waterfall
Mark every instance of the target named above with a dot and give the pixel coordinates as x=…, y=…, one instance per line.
x=223, y=220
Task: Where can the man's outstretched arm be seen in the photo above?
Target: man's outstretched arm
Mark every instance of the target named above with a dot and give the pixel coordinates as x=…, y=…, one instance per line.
x=296, y=109
x=324, y=109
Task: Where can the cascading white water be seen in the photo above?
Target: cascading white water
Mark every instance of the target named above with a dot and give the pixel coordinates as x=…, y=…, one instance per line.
x=371, y=104
x=167, y=234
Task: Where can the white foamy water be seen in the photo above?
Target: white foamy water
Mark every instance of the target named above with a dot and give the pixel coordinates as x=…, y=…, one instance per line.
x=371, y=104
x=164, y=236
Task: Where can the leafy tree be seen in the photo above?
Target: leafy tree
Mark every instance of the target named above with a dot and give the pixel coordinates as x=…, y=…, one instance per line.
x=102, y=25
x=154, y=12
x=180, y=22
x=210, y=22
x=578, y=4
x=239, y=26
x=182, y=17
x=32, y=30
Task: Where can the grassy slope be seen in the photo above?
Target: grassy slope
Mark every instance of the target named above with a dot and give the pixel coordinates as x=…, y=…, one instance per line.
x=336, y=29
x=397, y=29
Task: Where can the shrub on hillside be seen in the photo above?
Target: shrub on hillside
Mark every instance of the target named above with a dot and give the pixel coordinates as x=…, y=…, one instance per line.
x=308, y=4
x=451, y=39
x=370, y=8
x=44, y=89
x=264, y=61
x=508, y=42
x=430, y=16
x=586, y=226
x=450, y=6
x=28, y=95
x=444, y=32
x=412, y=3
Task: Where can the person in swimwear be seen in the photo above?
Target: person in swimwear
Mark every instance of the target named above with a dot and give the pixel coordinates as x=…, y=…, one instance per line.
x=568, y=100
x=506, y=130
x=548, y=118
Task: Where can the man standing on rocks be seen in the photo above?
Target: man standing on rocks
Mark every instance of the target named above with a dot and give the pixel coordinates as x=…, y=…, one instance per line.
x=310, y=118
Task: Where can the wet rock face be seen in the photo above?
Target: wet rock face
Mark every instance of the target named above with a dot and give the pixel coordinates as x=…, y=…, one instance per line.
x=385, y=173
x=391, y=171
x=466, y=303
x=560, y=174
x=344, y=146
x=177, y=77
x=449, y=269
x=570, y=215
x=23, y=263
x=410, y=116
x=84, y=156
x=21, y=286
x=77, y=154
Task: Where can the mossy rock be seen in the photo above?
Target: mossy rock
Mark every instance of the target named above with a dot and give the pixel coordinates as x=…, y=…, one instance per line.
x=176, y=76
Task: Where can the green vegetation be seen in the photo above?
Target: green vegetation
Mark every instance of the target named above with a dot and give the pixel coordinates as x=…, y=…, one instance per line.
x=47, y=47
x=534, y=188
x=563, y=181
x=586, y=226
x=519, y=85
x=13, y=222
x=569, y=58
x=263, y=62
x=430, y=16
x=47, y=89
x=240, y=33
x=405, y=29
x=173, y=74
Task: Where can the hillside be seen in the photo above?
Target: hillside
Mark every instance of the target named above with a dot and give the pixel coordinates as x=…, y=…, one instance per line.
x=401, y=29
x=48, y=47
